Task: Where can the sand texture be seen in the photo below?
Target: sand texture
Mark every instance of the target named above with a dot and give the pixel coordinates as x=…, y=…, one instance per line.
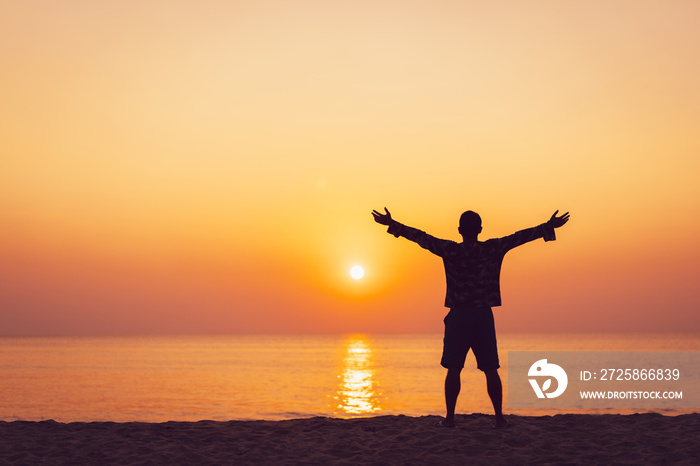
x=382, y=440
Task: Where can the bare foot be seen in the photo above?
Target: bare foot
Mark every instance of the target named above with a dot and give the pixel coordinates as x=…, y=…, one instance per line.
x=501, y=424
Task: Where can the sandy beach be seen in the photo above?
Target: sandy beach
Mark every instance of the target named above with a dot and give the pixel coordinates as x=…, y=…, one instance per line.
x=385, y=440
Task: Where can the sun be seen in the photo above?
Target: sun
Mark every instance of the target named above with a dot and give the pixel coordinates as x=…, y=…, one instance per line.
x=357, y=272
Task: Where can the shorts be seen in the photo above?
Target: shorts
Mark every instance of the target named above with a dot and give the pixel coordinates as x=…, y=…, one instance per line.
x=467, y=328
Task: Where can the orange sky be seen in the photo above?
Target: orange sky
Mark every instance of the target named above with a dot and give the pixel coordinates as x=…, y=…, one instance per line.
x=210, y=167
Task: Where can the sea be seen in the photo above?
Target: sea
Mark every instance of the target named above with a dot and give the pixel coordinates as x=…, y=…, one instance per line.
x=265, y=377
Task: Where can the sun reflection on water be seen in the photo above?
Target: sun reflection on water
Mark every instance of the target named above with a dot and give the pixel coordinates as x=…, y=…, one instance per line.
x=357, y=389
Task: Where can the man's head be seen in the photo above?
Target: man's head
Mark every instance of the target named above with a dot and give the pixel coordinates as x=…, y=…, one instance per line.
x=469, y=224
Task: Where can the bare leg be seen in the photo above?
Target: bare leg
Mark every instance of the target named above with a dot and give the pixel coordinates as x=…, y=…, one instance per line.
x=452, y=386
x=495, y=390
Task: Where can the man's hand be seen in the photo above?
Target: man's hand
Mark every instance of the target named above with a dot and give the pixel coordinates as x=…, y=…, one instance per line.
x=382, y=219
x=556, y=222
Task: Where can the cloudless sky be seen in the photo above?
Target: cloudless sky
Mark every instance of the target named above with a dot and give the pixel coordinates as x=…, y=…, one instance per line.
x=210, y=167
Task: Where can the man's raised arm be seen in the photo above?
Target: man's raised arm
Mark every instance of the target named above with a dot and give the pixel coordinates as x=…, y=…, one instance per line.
x=424, y=240
x=556, y=222
x=382, y=219
x=545, y=230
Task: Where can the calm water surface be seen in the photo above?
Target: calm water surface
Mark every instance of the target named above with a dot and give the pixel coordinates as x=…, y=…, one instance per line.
x=190, y=378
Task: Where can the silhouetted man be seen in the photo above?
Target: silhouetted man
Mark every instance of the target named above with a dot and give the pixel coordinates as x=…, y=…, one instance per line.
x=472, y=270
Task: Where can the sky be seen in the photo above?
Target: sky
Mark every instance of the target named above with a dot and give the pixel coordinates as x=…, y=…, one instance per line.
x=209, y=167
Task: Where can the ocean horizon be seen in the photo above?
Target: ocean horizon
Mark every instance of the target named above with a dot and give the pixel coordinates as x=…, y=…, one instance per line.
x=267, y=377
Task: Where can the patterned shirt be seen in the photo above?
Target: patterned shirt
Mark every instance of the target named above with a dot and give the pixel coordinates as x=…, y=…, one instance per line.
x=472, y=270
